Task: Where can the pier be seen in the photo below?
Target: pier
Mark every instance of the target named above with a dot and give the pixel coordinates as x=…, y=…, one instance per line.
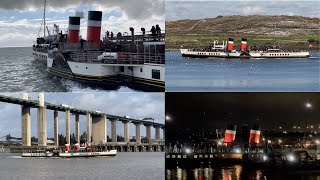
x=96, y=126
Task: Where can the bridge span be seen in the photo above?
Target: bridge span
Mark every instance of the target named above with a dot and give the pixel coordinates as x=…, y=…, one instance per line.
x=95, y=120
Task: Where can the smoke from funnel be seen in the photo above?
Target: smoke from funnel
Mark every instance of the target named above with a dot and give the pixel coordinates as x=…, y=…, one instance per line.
x=79, y=14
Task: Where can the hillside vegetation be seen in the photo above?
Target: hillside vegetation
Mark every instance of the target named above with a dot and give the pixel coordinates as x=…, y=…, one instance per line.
x=289, y=31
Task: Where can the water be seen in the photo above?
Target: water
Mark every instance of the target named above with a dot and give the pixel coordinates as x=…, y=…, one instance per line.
x=139, y=165
x=237, y=172
x=214, y=74
x=19, y=72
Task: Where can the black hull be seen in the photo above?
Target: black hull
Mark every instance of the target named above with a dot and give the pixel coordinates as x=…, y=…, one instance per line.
x=112, y=82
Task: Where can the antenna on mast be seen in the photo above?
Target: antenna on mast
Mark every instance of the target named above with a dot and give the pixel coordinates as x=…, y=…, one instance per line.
x=44, y=18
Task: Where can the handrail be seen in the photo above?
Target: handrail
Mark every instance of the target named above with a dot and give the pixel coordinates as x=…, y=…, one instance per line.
x=118, y=58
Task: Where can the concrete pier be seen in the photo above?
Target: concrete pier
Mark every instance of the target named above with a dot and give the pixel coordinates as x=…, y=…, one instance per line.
x=99, y=129
x=126, y=125
x=113, y=130
x=163, y=133
x=56, y=128
x=148, y=133
x=68, y=126
x=26, y=124
x=42, y=122
x=157, y=132
x=88, y=117
x=77, y=128
x=138, y=133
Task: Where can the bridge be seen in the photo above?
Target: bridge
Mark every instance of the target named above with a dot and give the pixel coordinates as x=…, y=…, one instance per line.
x=95, y=120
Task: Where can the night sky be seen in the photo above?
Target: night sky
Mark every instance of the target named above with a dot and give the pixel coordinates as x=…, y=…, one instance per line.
x=217, y=110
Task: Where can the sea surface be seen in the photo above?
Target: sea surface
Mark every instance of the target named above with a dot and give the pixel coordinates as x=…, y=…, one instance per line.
x=220, y=74
x=237, y=172
x=19, y=72
x=138, y=165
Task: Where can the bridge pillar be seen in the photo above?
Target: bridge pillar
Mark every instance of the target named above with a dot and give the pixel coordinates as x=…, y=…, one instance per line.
x=148, y=132
x=114, y=130
x=68, y=126
x=99, y=129
x=157, y=132
x=42, y=122
x=138, y=135
x=56, y=129
x=88, y=129
x=26, y=124
x=126, y=125
x=77, y=126
x=163, y=133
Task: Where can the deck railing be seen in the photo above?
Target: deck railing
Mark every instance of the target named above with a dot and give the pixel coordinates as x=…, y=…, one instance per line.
x=121, y=58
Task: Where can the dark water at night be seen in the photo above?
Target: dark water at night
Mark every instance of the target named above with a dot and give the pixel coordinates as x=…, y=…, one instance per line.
x=19, y=72
x=238, y=172
x=139, y=165
x=216, y=74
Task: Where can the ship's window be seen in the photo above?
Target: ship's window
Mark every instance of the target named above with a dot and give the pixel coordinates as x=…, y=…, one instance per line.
x=86, y=67
x=76, y=66
x=155, y=74
x=121, y=68
x=141, y=70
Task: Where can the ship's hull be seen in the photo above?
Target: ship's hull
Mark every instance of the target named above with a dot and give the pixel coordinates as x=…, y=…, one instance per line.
x=201, y=54
x=37, y=154
x=88, y=154
x=40, y=56
x=111, y=76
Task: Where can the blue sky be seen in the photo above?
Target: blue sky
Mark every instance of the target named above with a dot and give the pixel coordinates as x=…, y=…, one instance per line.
x=134, y=105
x=209, y=9
x=20, y=20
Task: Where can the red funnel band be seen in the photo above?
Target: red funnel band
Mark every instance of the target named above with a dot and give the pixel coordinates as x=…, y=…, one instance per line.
x=230, y=45
x=254, y=136
x=243, y=45
x=73, y=36
x=229, y=136
x=93, y=32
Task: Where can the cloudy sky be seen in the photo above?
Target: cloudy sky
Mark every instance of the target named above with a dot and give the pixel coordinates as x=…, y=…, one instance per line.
x=134, y=105
x=20, y=20
x=207, y=9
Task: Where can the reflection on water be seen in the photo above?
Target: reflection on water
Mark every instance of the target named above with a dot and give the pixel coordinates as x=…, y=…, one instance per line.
x=237, y=172
x=206, y=173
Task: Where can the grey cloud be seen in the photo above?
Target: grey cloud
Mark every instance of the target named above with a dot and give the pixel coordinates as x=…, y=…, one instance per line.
x=137, y=9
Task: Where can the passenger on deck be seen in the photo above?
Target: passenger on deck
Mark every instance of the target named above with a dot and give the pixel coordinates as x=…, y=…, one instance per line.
x=82, y=41
x=153, y=32
x=158, y=31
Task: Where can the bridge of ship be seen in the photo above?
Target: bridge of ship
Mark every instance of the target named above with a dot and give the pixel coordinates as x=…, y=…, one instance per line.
x=98, y=119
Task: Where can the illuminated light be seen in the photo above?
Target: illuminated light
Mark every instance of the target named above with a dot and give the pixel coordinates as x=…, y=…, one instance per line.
x=188, y=151
x=280, y=141
x=219, y=143
x=265, y=157
x=308, y=105
x=317, y=141
x=237, y=150
x=311, y=126
x=291, y=158
x=168, y=118
x=280, y=127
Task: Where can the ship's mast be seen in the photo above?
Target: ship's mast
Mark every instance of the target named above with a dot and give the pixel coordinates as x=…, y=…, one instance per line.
x=44, y=19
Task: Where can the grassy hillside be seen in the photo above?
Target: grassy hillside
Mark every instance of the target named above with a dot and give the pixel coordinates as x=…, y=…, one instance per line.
x=287, y=31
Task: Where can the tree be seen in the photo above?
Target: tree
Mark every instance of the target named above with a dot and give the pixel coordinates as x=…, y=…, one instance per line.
x=62, y=140
x=120, y=138
x=73, y=139
x=8, y=137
